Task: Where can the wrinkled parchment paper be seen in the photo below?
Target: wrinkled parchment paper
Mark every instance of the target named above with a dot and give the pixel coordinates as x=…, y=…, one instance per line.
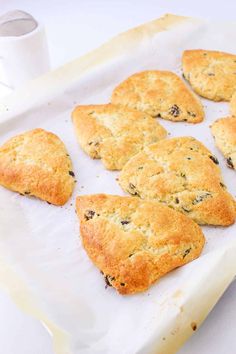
x=42, y=263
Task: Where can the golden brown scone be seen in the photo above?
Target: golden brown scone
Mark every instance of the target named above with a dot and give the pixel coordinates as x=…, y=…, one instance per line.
x=114, y=133
x=224, y=132
x=161, y=94
x=183, y=174
x=37, y=163
x=233, y=104
x=211, y=74
x=135, y=242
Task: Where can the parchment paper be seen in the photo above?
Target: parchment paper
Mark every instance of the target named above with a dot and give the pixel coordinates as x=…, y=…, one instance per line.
x=42, y=262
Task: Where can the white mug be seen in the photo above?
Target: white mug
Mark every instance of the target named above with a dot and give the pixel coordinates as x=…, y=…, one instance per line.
x=23, y=49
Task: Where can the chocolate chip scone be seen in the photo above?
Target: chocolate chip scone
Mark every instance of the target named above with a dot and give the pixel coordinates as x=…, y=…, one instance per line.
x=135, y=242
x=36, y=163
x=211, y=74
x=183, y=174
x=224, y=132
x=114, y=133
x=233, y=104
x=161, y=94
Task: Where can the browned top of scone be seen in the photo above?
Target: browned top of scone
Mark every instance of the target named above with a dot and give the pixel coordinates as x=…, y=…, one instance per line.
x=161, y=94
x=224, y=132
x=182, y=173
x=134, y=242
x=114, y=133
x=212, y=74
x=37, y=163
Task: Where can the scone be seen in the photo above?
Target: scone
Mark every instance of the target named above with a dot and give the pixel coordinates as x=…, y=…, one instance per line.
x=224, y=132
x=183, y=174
x=36, y=163
x=161, y=94
x=211, y=74
x=233, y=104
x=114, y=133
x=135, y=242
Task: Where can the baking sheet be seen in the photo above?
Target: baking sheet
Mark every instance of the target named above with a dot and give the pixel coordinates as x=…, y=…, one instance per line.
x=42, y=262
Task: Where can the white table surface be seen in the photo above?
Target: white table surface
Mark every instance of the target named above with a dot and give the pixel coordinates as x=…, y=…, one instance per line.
x=74, y=27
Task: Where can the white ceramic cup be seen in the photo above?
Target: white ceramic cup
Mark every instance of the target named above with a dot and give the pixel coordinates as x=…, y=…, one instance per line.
x=23, y=49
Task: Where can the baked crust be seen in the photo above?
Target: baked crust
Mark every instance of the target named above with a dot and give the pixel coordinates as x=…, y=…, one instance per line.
x=114, y=133
x=224, y=132
x=37, y=163
x=135, y=242
x=211, y=74
x=161, y=94
x=182, y=173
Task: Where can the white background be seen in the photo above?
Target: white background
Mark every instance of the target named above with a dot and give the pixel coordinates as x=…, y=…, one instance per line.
x=73, y=28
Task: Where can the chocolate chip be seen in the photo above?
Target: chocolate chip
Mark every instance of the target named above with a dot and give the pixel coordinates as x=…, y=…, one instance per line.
x=71, y=173
x=186, y=210
x=174, y=111
x=189, y=158
x=133, y=189
x=95, y=143
x=200, y=198
x=124, y=222
x=214, y=159
x=191, y=114
x=158, y=115
x=122, y=284
x=177, y=200
x=230, y=162
x=89, y=214
x=186, y=252
x=194, y=326
x=108, y=279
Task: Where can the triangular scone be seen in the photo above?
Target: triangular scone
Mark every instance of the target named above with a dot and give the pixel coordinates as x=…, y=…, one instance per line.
x=233, y=104
x=183, y=174
x=211, y=74
x=135, y=242
x=161, y=94
x=114, y=133
x=37, y=163
x=224, y=132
